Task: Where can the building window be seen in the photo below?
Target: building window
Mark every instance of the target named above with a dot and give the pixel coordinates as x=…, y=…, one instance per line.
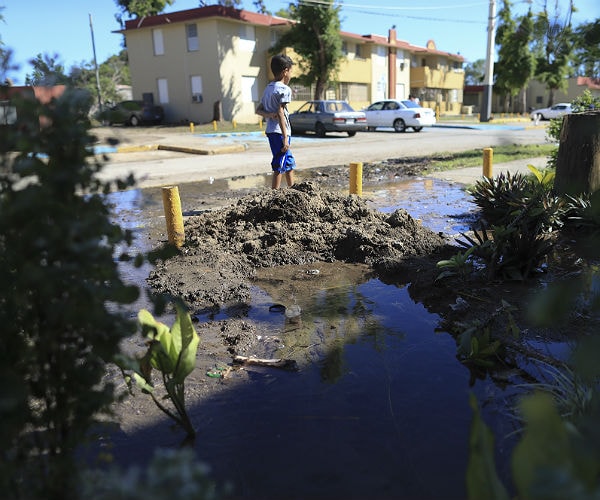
x=8, y=113
x=358, y=52
x=196, y=82
x=345, y=48
x=158, y=42
x=301, y=93
x=247, y=38
x=163, y=91
x=192, y=37
x=249, y=89
x=275, y=36
x=354, y=92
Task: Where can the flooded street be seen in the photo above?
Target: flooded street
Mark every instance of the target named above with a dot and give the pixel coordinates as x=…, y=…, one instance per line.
x=379, y=407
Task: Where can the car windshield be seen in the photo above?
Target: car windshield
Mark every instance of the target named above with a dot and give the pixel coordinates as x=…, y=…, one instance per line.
x=410, y=104
x=335, y=106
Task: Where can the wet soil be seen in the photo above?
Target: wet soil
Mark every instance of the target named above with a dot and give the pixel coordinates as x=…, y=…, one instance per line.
x=310, y=236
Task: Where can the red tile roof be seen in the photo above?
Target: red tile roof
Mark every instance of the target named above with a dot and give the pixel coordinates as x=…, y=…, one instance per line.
x=262, y=20
x=203, y=13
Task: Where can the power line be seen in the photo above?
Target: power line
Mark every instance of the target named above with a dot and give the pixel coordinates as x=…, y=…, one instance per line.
x=384, y=7
x=375, y=10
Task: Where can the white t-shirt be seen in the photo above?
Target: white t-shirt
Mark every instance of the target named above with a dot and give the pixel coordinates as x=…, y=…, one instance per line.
x=276, y=94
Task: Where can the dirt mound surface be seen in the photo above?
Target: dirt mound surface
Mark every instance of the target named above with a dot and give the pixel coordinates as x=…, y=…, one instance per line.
x=299, y=225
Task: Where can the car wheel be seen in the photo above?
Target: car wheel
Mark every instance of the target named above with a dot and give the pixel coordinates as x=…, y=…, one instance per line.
x=417, y=129
x=399, y=125
x=371, y=129
x=351, y=133
x=134, y=121
x=320, y=129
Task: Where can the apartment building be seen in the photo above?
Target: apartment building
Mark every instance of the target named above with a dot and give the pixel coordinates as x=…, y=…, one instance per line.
x=213, y=62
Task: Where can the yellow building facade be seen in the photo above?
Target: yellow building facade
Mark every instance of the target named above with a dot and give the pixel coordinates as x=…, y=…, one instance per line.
x=213, y=63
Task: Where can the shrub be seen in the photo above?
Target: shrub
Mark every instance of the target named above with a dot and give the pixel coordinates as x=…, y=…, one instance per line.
x=60, y=298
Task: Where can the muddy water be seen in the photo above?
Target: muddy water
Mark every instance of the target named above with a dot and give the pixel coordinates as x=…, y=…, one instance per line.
x=379, y=408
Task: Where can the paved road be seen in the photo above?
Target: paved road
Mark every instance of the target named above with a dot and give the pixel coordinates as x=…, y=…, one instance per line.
x=247, y=154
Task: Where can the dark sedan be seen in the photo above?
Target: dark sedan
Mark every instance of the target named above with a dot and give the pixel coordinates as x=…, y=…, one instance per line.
x=321, y=117
x=133, y=113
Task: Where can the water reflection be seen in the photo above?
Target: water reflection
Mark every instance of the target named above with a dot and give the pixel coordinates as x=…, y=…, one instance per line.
x=379, y=408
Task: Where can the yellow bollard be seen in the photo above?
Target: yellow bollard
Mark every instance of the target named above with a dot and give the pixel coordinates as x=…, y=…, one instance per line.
x=356, y=178
x=260, y=123
x=173, y=215
x=215, y=125
x=234, y=124
x=192, y=127
x=488, y=160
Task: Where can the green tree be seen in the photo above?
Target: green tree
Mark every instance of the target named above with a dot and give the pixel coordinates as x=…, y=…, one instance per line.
x=475, y=72
x=315, y=37
x=142, y=8
x=113, y=72
x=587, y=49
x=259, y=5
x=552, y=47
x=47, y=71
x=516, y=63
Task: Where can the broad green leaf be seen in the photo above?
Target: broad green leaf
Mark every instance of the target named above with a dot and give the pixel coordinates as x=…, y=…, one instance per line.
x=162, y=356
x=189, y=342
x=544, y=446
x=482, y=479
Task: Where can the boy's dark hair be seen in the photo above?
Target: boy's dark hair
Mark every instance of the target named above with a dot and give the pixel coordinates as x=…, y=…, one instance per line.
x=279, y=63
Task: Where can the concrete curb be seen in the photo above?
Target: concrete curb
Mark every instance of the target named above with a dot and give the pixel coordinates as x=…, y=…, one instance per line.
x=231, y=148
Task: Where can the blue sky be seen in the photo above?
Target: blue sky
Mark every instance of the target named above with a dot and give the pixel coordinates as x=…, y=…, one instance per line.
x=31, y=27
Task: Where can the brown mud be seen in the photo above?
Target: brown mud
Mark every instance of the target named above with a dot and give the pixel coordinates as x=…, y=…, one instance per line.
x=307, y=237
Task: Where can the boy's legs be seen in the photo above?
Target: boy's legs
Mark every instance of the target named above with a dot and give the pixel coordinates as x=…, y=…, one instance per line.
x=289, y=178
x=282, y=163
x=276, y=180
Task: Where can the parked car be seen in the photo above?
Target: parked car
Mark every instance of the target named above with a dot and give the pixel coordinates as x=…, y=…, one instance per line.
x=562, y=108
x=400, y=114
x=325, y=116
x=133, y=113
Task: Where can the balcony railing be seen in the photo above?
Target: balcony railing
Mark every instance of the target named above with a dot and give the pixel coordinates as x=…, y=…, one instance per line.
x=426, y=77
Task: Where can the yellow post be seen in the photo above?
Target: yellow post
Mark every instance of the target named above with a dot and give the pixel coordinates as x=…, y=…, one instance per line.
x=260, y=123
x=356, y=178
x=192, y=127
x=215, y=125
x=234, y=124
x=173, y=215
x=488, y=160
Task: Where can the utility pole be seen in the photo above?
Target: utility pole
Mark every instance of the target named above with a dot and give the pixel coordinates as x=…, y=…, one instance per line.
x=488, y=83
x=96, y=66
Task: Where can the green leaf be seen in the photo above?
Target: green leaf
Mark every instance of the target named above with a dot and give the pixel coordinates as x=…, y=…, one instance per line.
x=141, y=382
x=188, y=340
x=162, y=354
x=482, y=479
x=544, y=446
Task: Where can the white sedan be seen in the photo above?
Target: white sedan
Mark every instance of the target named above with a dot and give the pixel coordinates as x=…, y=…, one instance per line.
x=399, y=114
x=562, y=108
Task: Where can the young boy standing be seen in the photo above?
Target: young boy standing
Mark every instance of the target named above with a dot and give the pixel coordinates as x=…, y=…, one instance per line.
x=273, y=106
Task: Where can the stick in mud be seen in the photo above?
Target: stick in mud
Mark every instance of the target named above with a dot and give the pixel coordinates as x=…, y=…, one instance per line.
x=285, y=364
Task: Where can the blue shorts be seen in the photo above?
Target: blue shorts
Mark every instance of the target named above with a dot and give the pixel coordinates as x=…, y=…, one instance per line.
x=281, y=162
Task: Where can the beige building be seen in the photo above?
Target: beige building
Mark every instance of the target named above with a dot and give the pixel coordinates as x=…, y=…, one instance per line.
x=211, y=62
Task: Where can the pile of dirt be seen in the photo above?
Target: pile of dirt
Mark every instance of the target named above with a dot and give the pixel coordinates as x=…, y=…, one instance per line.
x=299, y=225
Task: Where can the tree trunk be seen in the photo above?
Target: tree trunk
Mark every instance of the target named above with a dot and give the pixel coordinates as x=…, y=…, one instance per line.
x=578, y=162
